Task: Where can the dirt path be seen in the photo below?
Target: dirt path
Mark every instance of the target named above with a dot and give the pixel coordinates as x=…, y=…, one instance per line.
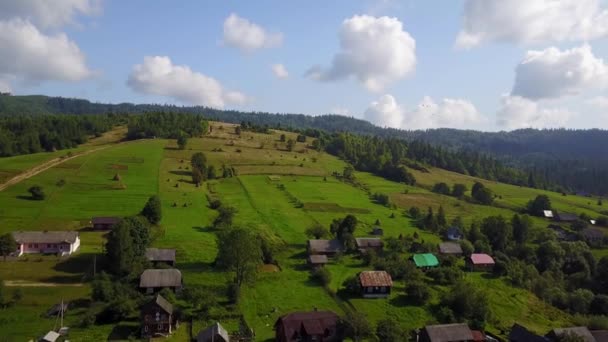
x=45, y=166
x=25, y=283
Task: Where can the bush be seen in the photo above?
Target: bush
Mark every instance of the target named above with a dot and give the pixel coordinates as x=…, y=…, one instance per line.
x=388, y=330
x=417, y=292
x=382, y=199
x=352, y=286
x=37, y=193
x=441, y=188
x=234, y=293
x=321, y=275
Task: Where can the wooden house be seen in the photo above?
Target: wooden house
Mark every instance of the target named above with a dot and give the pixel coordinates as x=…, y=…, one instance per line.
x=519, y=333
x=565, y=217
x=375, y=284
x=104, y=223
x=582, y=332
x=366, y=244
x=454, y=234
x=154, y=280
x=480, y=262
x=457, y=332
x=325, y=247
x=450, y=248
x=47, y=242
x=214, y=333
x=593, y=234
x=317, y=260
x=319, y=326
x=157, y=318
x=160, y=256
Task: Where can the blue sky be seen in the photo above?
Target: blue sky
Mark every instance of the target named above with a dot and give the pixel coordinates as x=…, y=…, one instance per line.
x=481, y=64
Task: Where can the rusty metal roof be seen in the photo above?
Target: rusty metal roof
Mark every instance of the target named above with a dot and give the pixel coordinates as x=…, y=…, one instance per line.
x=375, y=278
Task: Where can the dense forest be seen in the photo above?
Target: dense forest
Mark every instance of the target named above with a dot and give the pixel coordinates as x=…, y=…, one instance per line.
x=574, y=159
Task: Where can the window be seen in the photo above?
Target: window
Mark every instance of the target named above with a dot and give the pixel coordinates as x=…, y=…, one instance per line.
x=35, y=245
x=383, y=289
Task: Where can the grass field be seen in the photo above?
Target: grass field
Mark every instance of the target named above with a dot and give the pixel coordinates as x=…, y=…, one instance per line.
x=278, y=193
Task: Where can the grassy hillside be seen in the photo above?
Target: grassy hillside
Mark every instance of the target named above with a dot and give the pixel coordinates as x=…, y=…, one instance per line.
x=277, y=192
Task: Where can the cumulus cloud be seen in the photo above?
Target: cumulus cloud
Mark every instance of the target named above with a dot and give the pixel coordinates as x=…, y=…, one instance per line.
x=531, y=21
x=280, y=71
x=28, y=54
x=340, y=111
x=242, y=34
x=375, y=51
x=48, y=13
x=599, y=102
x=454, y=113
x=552, y=73
x=518, y=112
x=159, y=76
x=5, y=87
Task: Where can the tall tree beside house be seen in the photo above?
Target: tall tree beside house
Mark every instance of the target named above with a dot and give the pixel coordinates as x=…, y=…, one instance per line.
x=126, y=246
x=7, y=245
x=199, y=168
x=153, y=210
x=538, y=205
x=317, y=231
x=388, y=330
x=498, y=232
x=37, y=193
x=356, y=326
x=239, y=251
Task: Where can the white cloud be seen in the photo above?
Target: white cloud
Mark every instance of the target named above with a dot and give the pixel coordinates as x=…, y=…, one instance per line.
x=531, y=21
x=454, y=113
x=247, y=36
x=340, y=111
x=159, y=76
x=376, y=51
x=599, y=102
x=28, y=54
x=5, y=87
x=518, y=112
x=280, y=71
x=552, y=73
x=48, y=13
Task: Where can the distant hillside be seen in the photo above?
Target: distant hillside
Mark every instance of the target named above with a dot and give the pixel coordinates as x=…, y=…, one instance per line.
x=574, y=158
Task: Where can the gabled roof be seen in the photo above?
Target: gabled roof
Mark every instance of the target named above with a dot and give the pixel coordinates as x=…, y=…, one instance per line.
x=369, y=242
x=449, y=332
x=160, y=278
x=105, y=220
x=51, y=336
x=211, y=334
x=481, y=259
x=521, y=334
x=158, y=254
x=593, y=233
x=309, y=322
x=325, y=246
x=578, y=331
x=425, y=260
x=317, y=259
x=568, y=217
x=375, y=278
x=164, y=304
x=450, y=248
x=46, y=236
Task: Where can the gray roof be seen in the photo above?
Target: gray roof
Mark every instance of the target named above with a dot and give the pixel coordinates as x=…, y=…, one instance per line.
x=211, y=332
x=46, y=236
x=160, y=278
x=325, y=246
x=158, y=254
x=163, y=303
x=317, y=259
x=449, y=332
x=369, y=242
x=577, y=331
x=600, y=335
x=450, y=248
x=105, y=220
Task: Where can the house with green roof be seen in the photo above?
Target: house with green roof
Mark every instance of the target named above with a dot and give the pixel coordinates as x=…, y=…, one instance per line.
x=425, y=260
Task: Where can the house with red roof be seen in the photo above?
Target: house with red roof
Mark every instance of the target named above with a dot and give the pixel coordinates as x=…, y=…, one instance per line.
x=480, y=262
x=319, y=326
x=375, y=284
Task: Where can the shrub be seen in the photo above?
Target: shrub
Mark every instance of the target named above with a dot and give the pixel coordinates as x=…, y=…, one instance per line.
x=321, y=275
x=417, y=292
x=37, y=193
x=441, y=188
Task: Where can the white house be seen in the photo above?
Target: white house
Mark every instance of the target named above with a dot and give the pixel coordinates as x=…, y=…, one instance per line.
x=47, y=242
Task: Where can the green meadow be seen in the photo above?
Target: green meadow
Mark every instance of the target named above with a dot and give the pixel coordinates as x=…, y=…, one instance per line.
x=278, y=193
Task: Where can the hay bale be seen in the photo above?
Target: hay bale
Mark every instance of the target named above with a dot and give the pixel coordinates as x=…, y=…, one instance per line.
x=117, y=177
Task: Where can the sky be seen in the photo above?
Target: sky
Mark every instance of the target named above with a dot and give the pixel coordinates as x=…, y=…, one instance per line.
x=411, y=64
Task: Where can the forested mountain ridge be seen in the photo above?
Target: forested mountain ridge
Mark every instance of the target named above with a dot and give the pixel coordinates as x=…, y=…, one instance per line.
x=575, y=159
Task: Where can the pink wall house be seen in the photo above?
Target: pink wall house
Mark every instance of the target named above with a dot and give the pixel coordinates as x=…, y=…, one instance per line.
x=47, y=242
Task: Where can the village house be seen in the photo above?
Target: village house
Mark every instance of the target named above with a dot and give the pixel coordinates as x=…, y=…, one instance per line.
x=565, y=217
x=453, y=234
x=317, y=260
x=366, y=244
x=450, y=248
x=480, y=262
x=104, y=223
x=318, y=326
x=47, y=242
x=325, y=247
x=519, y=333
x=160, y=256
x=425, y=260
x=375, y=284
x=214, y=333
x=154, y=280
x=157, y=318
x=377, y=231
x=593, y=235
x=562, y=234
x=457, y=332
x=581, y=332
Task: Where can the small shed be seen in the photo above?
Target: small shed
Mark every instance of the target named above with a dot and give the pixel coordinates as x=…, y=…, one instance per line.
x=480, y=262
x=153, y=280
x=214, y=333
x=308, y=326
x=454, y=234
x=367, y=244
x=159, y=255
x=582, y=332
x=450, y=248
x=104, y=223
x=51, y=336
x=565, y=217
x=326, y=247
x=375, y=284
x=519, y=333
x=317, y=260
x=593, y=234
x=425, y=260
x=377, y=231
x=456, y=332
x=548, y=214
